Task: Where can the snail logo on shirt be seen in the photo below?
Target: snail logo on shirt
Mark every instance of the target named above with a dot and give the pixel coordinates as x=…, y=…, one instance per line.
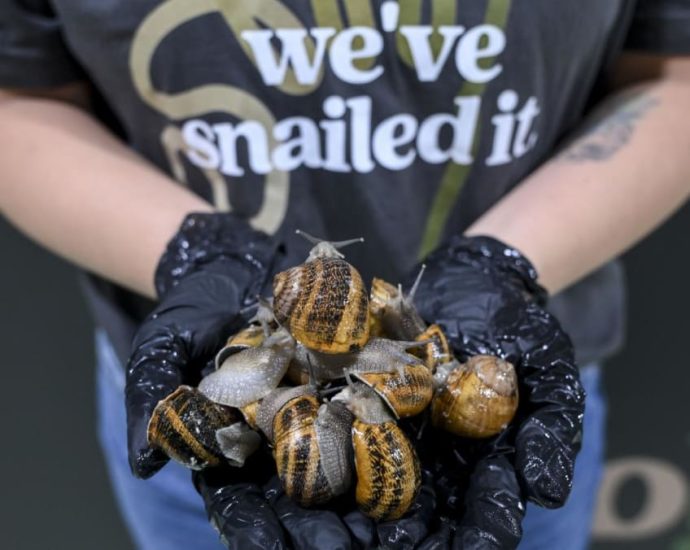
x=344, y=136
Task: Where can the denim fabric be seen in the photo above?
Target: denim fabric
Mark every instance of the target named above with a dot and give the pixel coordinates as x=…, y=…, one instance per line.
x=166, y=513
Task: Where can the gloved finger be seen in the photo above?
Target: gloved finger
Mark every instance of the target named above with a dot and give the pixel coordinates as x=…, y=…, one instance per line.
x=439, y=539
x=549, y=439
x=362, y=529
x=411, y=529
x=150, y=378
x=239, y=512
x=308, y=528
x=493, y=507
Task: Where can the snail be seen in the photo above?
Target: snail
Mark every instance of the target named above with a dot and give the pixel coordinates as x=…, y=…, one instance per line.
x=311, y=443
x=475, y=399
x=388, y=470
x=252, y=336
x=395, y=316
x=436, y=350
x=251, y=373
x=323, y=302
x=394, y=312
x=197, y=432
x=407, y=391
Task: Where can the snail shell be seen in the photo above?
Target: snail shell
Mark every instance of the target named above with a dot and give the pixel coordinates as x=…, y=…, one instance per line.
x=395, y=313
x=436, y=351
x=387, y=466
x=185, y=426
x=324, y=305
x=250, y=337
x=249, y=413
x=250, y=374
x=388, y=470
x=407, y=392
x=478, y=398
x=311, y=444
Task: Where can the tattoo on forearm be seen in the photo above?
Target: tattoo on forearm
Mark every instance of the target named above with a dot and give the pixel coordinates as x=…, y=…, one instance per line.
x=609, y=130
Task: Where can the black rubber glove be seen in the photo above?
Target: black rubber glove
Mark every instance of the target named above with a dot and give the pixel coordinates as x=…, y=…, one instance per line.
x=485, y=296
x=212, y=269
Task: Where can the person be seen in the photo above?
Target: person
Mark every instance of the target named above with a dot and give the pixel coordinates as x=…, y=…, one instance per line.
x=171, y=149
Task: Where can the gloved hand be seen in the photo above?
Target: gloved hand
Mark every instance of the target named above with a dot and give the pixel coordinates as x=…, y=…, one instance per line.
x=486, y=297
x=213, y=269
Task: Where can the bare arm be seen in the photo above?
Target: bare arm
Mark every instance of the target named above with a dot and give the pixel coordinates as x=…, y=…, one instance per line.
x=74, y=188
x=625, y=172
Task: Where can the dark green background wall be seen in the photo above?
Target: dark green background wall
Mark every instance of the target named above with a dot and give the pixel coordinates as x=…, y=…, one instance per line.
x=55, y=493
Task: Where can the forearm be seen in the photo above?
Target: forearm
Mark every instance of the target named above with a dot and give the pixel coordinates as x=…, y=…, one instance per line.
x=78, y=191
x=625, y=174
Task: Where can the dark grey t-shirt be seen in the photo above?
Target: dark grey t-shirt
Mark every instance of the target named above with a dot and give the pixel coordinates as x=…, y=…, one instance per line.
x=399, y=122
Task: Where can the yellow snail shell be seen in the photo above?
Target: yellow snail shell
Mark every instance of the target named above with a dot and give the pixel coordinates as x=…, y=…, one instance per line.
x=197, y=432
x=324, y=305
x=387, y=466
x=388, y=470
x=407, y=392
x=249, y=337
x=478, y=399
x=395, y=313
x=311, y=444
x=436, y=351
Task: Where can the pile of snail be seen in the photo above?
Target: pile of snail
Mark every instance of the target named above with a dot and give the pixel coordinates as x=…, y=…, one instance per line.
x=324, y=332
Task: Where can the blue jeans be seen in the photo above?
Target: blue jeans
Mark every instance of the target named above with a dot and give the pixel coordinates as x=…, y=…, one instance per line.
x=166, y=513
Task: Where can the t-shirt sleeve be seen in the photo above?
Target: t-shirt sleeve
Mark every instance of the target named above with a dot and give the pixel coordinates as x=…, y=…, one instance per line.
x=660, y=26
x=33, y=52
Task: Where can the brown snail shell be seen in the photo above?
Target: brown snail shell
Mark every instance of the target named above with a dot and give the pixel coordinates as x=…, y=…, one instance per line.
x=407, y=391
x=395, y=313
x=387, y=466
x=250, y=374
x=478, y=398
x=388, y=470
x=185, y=425
x=249, y=337
x=249, y=413
x=324, y=305
x=311, y=444
x=436, y=351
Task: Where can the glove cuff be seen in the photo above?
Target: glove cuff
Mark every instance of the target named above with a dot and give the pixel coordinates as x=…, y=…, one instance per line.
x=207, y=237
x=494, y=254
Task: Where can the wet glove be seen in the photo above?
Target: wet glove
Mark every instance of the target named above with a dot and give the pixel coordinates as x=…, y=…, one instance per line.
x=213, y=268
x=486, y=297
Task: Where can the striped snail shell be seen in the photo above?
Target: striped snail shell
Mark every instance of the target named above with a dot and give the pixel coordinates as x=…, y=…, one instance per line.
x=407, y=391
x=249, y=337
x=323, y=302
x=436, y=350
x=387, y=466
x=388, y=470
x=477, y=399
x=197, y=432
x=394, y=312
x=250, y=374
x=311, y=444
